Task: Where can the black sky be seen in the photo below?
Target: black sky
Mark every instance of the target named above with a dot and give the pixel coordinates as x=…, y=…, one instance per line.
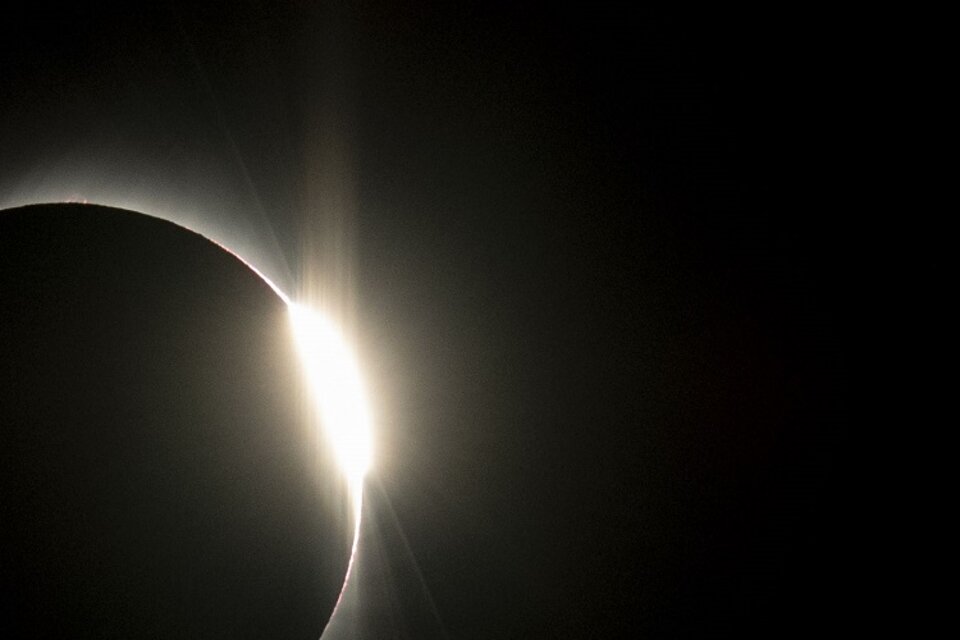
x=600, y=279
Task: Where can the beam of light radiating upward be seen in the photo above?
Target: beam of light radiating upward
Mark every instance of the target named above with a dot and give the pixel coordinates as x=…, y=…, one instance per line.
x=337, y=388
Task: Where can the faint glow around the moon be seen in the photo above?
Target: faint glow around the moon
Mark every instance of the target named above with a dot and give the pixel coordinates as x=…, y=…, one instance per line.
x=337, y=388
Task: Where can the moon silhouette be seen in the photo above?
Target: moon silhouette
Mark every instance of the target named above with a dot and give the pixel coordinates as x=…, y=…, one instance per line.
x=161, y=472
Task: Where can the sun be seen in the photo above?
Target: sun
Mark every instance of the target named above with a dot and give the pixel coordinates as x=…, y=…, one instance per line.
x=336, y=386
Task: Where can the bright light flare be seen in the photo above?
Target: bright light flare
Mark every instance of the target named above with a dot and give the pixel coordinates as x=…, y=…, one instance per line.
x=337, y=387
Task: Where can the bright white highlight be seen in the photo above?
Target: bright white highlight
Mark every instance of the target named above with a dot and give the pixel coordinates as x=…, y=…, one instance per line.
x=337, y=388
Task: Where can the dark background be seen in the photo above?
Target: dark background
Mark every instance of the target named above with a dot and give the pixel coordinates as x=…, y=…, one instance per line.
x=600, y=276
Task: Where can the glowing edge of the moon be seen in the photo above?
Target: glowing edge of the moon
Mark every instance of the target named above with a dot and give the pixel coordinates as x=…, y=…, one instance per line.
x=336, y=384
x=337, y=388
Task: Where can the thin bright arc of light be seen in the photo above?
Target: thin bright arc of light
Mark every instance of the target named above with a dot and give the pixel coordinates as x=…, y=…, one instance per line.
x=277, y=290
x=316, y=336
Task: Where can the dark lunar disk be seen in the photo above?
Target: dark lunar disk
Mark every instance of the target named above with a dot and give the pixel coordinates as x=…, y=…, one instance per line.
x=160, y=476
